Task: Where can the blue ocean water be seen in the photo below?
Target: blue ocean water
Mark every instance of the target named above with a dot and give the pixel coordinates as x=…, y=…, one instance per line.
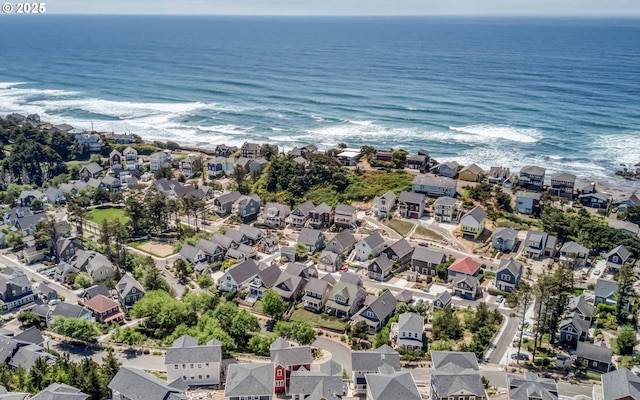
x=561, y=93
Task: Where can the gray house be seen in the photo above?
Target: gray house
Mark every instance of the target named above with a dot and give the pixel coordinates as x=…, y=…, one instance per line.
x=342, y=243
x=504, y=239
x=574, y=253
x=377, y=313
x=345, y=299
x=539, y=244
x=455, y=375
x=606, y=293
x=562, y=185
x=369, y=362
x=312, y=238
x=224, y=204
x=380, y=268
x=425, y=260
x=132, y=383
x=527, y=202
x=434, y=186
x=410, y=331
x=250, y=381
x=532, y=177
x=371, y=246
x=531, y=386
x=596, y=357
x=411, y=205
x=621, y=384
x=391, y=384
x=399, y=252
x=449, y=169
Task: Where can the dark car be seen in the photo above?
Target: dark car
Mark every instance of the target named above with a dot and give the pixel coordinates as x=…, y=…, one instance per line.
x=520, y=356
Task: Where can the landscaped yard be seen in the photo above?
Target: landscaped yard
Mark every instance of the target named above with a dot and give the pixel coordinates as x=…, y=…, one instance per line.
x=257, y=307
x=402, y=227
x=426, y=232
x=99, y=214
x=318, y=320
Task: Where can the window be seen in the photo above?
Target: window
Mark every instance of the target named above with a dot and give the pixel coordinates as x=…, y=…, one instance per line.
x=505, y=277
x=184, y=377
x=176, y=366
x=199, y=365
x=208, y=376
x=190, y=365
x=279, y=383
x=595, y=363
x=279, y=372
x=184, y=366
x=200, y=377
x=370, y=314
x=207, y=365
x=415, y=334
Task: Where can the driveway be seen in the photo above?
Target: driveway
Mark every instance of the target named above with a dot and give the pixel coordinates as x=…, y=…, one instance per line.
x=340, y=353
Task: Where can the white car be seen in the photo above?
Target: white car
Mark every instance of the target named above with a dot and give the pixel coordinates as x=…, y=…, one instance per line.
x=499, y=298
x=596, y=272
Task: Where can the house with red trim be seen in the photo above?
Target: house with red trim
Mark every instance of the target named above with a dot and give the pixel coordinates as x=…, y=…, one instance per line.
x=288, y=358
x=104, y=309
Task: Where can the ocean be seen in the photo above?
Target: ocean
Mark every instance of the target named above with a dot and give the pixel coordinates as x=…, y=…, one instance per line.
x=560, y=93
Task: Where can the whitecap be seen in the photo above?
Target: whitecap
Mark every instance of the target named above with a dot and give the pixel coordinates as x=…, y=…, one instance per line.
x=361, y=123
x=10, y=85
x=485, y=132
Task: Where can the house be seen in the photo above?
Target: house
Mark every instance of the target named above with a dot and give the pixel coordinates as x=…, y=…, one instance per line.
x=135, y=384
x=532, y=177
x=464, y=266
x=508, y=275
x=316, y=293
x=384, y=205
x=192, y=254
x=345, y=216
x=384, y=155
x=575, y=254
x=434, y=186
x=349, y=157
x=195, y=365
x=263, y=280
x=606, y=292
x=300, y=214
x=583, y=187
x=380, y=269
x=579, y=306
x=498, y=174
x=130, y=159
x=617, y=257
x=399, y=252
x=621, y=384
x=329, y=261
x=253, y=235
x=256, y=166
x=250, y=150
x=275, y=214
x=448, y=169
x=596, y=200
x=15, y=289
x=110, y=184
x=626, y=227
x=539, y=244
x=239, y=276
x=97, y=265
x=447, y=209
x=128, y=291
x=325, y=382
x=158, y=159
x=369, y=247
x=91, y=170
x=418, y=162
x=391, y=384
x=408, y=332
x=312, y=238
x=31, y=254
x=411, y=205
x=504, y=239
x=442, y=300
x=345, y=299
x=56, y=391
x=222, y=150
x=115, y=159
x=321, y=216
x=562, y=185
x=22, y=218
x=54, y=195
x=28, y=196
x=223, y=205
x=250, y=381
x=472, y=223
x=190, y=165
x=288, y=252
x=342, y=243
x=104, y=309
x=531, y=386
x=466, y=287
x=46, y=293
x=242, y=252
x=289, y=286
x=573, y=329
x=219, y=166
x=268, y=244
x=213, y=251
x=90, y=141
x=595, y=357
x=287, y=359
x=527, y=202
x=455, y=375
x=120, y=138
x=68, y=310
x=368, y=362
x=425, y=261
x=247, y=207
x=471, y=173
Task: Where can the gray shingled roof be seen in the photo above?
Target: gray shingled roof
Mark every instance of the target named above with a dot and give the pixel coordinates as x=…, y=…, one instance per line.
x=186, y=351
x=136, y=384
x=454, y=372
x=224, y=241
x=477, y=213
x=323, y=383
x=621, y=251
x=580, y=304
x=345, y=209
x=309, y=236
x=374, y=240
x=397, y=385
x=410, y=322
x=620, y=384
x=269, y=276
x=573, y=247
x=382, y=262
x=533, y=170
x=530, y=385
x=505, y=233
x=208, y=246
x=350, y=277
x=445, y=201
x=370, y=361
x=60, y=391
x=412, y=197
x=528, y=195
x=244, y=271
x=428, y=255
x=599, y=353
x=250, y=380
x=67, y=310
x=511, y=265
x=405, y=296
x=435, y=181
x=323, y=208
x=401, y=248
x=292, y=355
x=228, y=198
x=189, y=252
x=316, y=285
x=383, y=306
x=31, y=335
x=250, y=232
x=563, y=177
x=344, y=239
x=605, y=288
x=305, y=207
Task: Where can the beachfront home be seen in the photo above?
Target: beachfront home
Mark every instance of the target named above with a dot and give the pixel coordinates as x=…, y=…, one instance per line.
x=425, y=261
x=508, y=275
x=250, y=150
x=532, y=177
x=196, y=365
x=300, y=214
x=158, y=159
x=498, y=174
x=349, y=157
x=530, y=386
x=369, y=247
x=434, y=186
x=574, y=253
x=562, y=185
x=222, y=150
x=377, y=313
x=527, y=202
x=616, y=258
x=219, y=166
x=598, y=200
x=345, y=216
x=539, y=244
x=384, y=205
x=455, y=375
x=369, y=362
x=471, y=173
x=342, y=243
x=321, y=216
x=119, y=138
x=380, y=268
x=447, y=209
x=473, y=222
x=418, y=162
x=504, y=239
x=448, y=169
x=411, y=205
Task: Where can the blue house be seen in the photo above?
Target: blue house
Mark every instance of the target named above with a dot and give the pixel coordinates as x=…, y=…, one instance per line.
x=466, y=287
x=526, y=202
x=573, y=329
x=508, y=275
x=377, y=313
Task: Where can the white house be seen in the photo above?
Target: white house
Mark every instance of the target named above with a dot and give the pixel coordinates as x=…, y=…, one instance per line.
x=372, y=245
x=196, y=365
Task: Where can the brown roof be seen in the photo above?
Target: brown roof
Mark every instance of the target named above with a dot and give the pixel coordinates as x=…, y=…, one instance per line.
x=100, y=304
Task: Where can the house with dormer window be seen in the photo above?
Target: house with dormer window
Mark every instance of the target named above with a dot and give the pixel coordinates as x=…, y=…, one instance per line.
x=377, y=313
x=380, y=268
x=539, y=244
x=275, y=214
x=508, y=275
x=316, y=293
x=369, y=362
x=300, y=215
x=408, y=332
x=288, y=359
x=263, y=280
x=345, y=299
x=616, y=258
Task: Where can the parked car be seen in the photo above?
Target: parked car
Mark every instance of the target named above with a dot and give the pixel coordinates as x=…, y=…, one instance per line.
x=423, y=244
x=519, y=356
x=499, y=298
x=596, y=272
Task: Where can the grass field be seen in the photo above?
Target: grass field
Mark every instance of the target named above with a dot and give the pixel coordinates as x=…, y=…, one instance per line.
x=402, y=227
x=426, y=232
x=258, y=307
x=97, y=215
x=318, y=320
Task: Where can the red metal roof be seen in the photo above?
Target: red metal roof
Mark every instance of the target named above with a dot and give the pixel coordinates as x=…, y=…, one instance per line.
x=466, y=266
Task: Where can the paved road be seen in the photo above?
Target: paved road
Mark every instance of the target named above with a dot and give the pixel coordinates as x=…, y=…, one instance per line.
x=504, y=341
x=339, y=352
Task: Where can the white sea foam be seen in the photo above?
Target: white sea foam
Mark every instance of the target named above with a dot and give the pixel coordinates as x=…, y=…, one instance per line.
x=484, y=132
x=7, y=85
x=362, y=123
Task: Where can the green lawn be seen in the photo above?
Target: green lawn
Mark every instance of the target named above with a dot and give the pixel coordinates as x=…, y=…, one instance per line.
x=99, y=214
x=257, y=307
x=402, y=227
x=426, y=232
x=318, y=320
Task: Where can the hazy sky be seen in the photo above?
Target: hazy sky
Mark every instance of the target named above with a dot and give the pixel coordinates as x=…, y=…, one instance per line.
x=592, y=8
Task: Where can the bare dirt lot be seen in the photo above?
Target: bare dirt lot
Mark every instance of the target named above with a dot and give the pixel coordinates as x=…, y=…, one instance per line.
x=157, y=248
